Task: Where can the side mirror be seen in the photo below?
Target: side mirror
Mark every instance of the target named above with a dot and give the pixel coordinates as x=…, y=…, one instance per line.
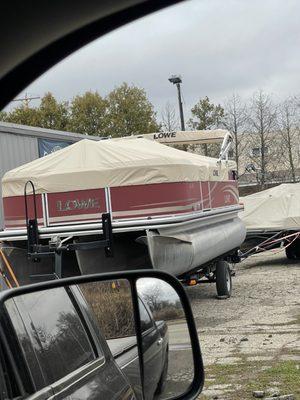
x=128, y=335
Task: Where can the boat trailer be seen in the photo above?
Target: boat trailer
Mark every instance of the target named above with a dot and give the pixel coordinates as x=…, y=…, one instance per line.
x=258, y=242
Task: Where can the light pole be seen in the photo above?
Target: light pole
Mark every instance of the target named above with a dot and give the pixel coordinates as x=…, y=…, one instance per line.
x=176, y=80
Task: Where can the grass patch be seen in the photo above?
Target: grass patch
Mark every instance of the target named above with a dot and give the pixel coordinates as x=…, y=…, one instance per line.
x=249, y=376
x=287, y=373
x=225, y=373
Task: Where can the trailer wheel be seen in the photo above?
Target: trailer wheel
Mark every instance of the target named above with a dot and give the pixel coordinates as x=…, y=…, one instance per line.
x=223, y=279
x=293, y=251
x=290, y=254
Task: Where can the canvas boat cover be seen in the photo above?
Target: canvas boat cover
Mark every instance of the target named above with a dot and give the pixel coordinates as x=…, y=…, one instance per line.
x=109, y=163
x=273, y=209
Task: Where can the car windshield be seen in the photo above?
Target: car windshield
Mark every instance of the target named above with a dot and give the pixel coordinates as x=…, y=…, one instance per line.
x=172, y=144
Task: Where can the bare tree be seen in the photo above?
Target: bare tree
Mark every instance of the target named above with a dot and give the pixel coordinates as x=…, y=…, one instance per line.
x=235, y=120
x=152, y=296
x=262, y=124
x=288, y=123
x=169, y=118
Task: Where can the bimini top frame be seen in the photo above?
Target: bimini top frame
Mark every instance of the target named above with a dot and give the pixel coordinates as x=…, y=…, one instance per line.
x=192, y=137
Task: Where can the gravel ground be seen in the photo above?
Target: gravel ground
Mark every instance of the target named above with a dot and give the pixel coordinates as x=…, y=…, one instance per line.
x=265, y=300
x=259, y=325
x=256, y=329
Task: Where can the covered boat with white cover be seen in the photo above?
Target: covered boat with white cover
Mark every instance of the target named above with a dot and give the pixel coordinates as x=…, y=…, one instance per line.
x=272, y=219
x=169, y=209
x=274, y=209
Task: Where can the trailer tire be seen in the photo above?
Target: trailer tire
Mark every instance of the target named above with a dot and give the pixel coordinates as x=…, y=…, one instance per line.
x=223, y=279
x=292, y=252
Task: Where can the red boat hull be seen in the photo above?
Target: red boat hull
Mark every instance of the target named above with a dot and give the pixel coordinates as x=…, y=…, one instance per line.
x=124, y=203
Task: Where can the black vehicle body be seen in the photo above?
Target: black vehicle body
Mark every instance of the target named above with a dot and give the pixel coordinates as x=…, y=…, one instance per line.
x=155, y=352
x=77, y=363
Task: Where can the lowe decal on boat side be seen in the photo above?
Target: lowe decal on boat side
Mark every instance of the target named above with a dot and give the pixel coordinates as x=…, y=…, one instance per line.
x=76, y=204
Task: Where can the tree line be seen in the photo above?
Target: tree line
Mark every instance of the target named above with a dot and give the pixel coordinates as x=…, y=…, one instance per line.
x=266, y=133
x=124, y=111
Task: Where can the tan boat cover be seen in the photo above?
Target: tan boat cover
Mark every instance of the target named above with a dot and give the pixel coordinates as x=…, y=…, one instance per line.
x=107, y=163
x=275, y=209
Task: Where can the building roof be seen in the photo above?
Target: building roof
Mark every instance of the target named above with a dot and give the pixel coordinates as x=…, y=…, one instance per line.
x=33, y=131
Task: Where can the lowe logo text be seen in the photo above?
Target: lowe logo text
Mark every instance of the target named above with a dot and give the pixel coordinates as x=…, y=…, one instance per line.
x=164, y=135
x=76, y=204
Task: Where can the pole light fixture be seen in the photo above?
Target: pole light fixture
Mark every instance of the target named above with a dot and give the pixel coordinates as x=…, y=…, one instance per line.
x=176, y=80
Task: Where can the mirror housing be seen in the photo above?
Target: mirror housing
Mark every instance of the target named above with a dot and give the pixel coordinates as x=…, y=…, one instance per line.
x=9, y=338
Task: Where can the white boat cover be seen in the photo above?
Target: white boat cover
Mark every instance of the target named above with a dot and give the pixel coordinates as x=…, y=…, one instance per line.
x=273, y=209
x=109, y=163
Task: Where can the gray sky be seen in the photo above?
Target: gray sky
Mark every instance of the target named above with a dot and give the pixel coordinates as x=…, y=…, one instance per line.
x=218, y=46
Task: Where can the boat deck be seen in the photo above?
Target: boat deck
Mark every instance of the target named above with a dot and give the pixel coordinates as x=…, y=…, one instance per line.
x=126, y=225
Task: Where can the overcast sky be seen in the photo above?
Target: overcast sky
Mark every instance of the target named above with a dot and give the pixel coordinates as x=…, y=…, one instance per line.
x=218, y=46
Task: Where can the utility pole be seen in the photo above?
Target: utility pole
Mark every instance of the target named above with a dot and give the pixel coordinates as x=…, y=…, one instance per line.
x=176, y=80
x=26, y=99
